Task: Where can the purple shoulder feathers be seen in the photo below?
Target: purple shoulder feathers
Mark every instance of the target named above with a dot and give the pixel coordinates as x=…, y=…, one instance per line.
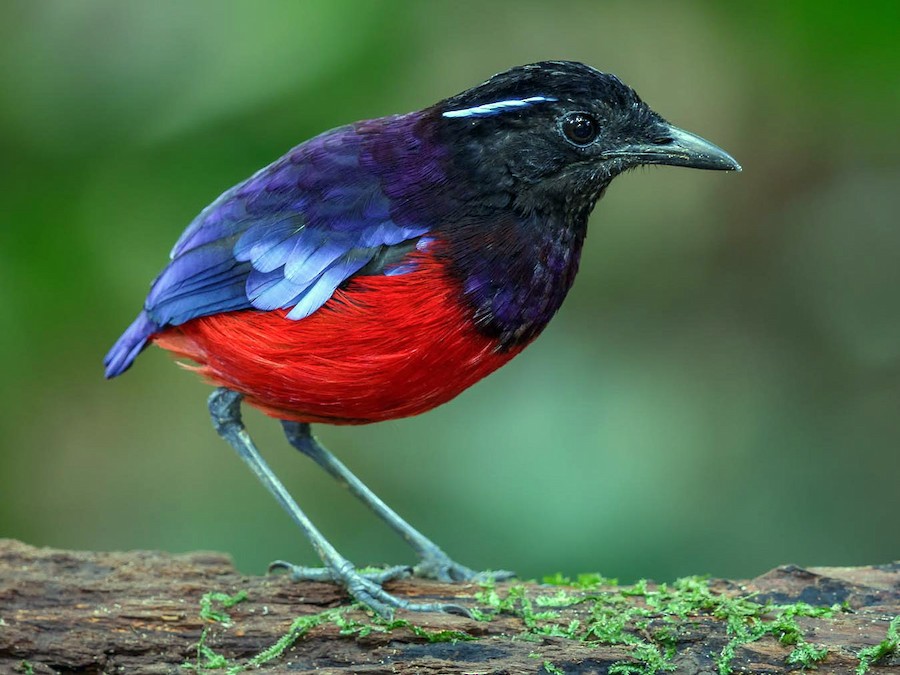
x=291, y=234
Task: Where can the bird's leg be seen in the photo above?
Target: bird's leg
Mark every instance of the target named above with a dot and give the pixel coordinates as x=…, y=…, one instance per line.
x=225, y=409
x=435, y=564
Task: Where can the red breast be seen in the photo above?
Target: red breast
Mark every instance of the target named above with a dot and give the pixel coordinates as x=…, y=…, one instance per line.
x=381, y=348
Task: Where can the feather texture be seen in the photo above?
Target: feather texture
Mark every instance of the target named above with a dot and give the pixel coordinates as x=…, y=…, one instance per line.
x=367, y=355
x=286, y=238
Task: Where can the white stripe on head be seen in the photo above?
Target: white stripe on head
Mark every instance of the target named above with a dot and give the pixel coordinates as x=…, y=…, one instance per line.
x=496, y=108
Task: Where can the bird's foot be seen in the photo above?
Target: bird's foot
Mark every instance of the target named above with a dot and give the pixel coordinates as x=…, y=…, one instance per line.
x=378, y=576
x=365, y=587
x=437, y=565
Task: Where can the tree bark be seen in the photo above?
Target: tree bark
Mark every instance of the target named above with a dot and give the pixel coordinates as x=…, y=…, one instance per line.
x=150, y=612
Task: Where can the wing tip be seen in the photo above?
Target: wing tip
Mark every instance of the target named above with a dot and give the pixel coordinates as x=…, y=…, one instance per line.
x=129, y=345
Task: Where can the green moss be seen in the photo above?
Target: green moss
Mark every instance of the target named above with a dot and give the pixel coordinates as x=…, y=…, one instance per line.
x=560, y=599
x=645, y=619
x=807, y=655
x=550, y=668
x=585, y=581
x=783, y=627
x=649, y=659
x=300, y=627
x=208, y=659
x=610, y=620
x=517, y=603
x=26, y=667
x=362, y=629
x=650, y=626
x=872, y=655
x=223, y=600
x=211, y=606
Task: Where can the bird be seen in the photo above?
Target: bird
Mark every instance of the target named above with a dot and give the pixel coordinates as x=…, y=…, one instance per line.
x=381, y=268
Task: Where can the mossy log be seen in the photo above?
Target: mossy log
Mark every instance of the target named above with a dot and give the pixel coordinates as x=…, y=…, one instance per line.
x=149, y=612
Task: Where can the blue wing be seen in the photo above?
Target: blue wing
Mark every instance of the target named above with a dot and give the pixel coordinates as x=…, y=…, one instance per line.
x=286, y=238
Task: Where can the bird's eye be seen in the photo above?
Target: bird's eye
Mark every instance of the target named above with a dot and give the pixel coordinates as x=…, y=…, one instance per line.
x=579, y=128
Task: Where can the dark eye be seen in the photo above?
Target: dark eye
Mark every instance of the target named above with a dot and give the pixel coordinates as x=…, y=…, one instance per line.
x=579, y=128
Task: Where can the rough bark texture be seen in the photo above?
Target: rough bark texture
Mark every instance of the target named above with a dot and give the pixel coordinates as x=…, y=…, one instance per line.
x=140, y=612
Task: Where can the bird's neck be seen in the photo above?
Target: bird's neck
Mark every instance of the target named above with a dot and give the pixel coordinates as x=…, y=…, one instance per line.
x=515, y=272
x=513, y=250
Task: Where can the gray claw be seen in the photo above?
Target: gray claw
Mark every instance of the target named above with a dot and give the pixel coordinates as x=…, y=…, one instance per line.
x=440, y=567
x=493, y=575
x=301, y=573
x=365, y=587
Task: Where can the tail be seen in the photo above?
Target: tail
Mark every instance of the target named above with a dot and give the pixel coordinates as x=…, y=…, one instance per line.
x=127, y=347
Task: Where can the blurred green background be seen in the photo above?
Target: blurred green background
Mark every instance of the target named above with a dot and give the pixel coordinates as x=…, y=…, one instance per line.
x=720, y=394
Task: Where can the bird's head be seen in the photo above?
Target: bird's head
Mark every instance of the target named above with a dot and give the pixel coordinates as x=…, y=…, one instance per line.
x=554, y=134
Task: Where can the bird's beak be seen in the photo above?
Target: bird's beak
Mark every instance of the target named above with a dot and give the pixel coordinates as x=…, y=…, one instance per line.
x=677, y=147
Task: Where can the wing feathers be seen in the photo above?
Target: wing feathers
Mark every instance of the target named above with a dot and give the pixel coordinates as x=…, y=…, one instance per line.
x=286, y=238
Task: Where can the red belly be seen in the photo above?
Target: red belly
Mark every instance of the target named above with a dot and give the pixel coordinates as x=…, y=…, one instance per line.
x=383, y=347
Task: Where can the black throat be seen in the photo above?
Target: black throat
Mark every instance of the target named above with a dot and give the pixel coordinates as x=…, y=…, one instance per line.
x=515, y=270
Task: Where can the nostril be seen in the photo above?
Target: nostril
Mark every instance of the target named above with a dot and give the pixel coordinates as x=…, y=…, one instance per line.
x=663, y=140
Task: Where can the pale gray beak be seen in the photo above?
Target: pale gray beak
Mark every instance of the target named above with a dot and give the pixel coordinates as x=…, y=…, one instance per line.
x=677, y=147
